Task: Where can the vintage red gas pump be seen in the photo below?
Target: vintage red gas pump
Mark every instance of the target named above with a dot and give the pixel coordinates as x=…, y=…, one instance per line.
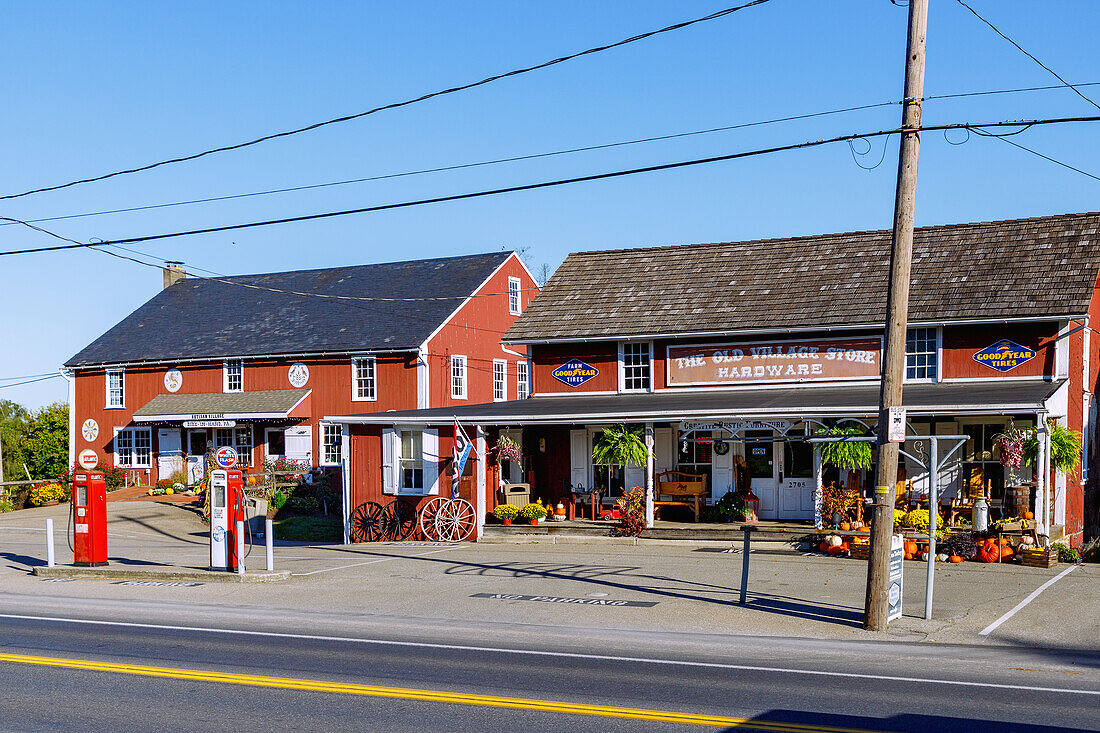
x=89, y=519
x=226, y=509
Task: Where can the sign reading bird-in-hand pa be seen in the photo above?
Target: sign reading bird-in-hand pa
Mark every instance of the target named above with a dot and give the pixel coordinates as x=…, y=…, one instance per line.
x=574, y=373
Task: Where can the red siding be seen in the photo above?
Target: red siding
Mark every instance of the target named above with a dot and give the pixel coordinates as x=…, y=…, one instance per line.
x=961, y=342
x=475, y=331
x=603, y=355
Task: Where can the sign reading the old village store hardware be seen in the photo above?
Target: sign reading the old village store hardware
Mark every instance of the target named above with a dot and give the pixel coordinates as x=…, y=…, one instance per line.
x=774, y=361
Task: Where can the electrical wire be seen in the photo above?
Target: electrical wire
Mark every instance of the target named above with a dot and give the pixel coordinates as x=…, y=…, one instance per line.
x=535, y=156
x=543, y=184
x=1045, y=157
x=1028, y=54
x=27, y=376
x=395, y=105
x=29, y=381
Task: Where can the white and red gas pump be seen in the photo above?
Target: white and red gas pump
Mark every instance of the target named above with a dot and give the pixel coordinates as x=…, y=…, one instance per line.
x=226, y=509
x=89, y=519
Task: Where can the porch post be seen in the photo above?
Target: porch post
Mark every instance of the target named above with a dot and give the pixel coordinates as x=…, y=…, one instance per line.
x=649, y=474
x=479, y=504
x=345, y=481
x=933, y=519
x=818, y=488
x=1041, y=478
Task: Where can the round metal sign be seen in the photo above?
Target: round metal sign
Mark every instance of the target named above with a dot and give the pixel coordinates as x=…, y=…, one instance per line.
x=90, y=430
x=226, y=457
x=173, y=380
x=298, y=375
x=88, y=459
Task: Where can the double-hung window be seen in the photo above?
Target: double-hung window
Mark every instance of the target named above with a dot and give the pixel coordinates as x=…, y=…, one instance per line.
x=513, y=296
x=239, y=439
x=637, y=367
x=922, y=354
x=500, y=380
x=363, y=387
x=233, y=375
x=133, y=448
x=331, y=443
x=523, y=385
x=412, y=460
x=458, y=377
x=116, y=388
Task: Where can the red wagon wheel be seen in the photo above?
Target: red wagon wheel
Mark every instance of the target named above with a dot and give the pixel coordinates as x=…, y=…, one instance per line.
x=364, y=522
x=428, y=514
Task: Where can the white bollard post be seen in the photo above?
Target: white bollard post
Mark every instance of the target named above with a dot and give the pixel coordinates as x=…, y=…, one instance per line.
x=269, y=536
x=240, y=547
x=49, y=543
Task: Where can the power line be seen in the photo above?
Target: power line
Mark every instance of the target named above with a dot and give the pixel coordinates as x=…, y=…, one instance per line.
x=1045, y=157
x=1028, y=54
x=395, y=105
x=535, y=186
x=43, y=379
x=28, y=376
x=534, y=156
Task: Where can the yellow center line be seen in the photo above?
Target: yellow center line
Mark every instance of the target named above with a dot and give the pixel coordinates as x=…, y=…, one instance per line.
x=406, y=693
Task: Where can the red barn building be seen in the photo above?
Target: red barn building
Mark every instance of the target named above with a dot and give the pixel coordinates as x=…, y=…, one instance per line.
x=255, y=362
x=731, y=356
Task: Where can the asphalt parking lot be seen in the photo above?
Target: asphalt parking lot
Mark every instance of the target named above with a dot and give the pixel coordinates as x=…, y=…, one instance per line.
x=676, y=586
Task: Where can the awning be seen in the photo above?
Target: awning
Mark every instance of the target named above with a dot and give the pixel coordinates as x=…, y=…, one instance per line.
x=991, y=397
x=259, y=405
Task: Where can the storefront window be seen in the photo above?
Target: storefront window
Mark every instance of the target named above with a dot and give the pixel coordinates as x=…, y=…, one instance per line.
x=695, y=453
x=604, y=476
x=798, y=459
x=133, y=448
x=239, y=439
x=981, y=462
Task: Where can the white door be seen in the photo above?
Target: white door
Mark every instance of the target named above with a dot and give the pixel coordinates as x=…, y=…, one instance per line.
x=763, y=455
x=796, y=480
x=299, y=444
x=274, y=444
x=169, y=452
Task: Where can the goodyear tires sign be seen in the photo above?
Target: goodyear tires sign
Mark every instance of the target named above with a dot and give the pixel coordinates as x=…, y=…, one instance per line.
x=1004, y=355
x=574, y=373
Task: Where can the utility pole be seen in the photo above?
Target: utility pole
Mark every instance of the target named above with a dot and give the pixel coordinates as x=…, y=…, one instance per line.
x=897, y=316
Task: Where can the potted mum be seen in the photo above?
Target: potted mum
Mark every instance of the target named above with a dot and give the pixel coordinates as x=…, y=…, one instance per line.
x=532, y=513
x=505, y=513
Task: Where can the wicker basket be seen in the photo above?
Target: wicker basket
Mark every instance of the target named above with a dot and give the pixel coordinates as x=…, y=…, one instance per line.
x=1039, y=557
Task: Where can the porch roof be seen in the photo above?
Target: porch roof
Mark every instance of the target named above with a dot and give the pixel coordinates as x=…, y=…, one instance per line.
x=257, y=405
x=949, y=398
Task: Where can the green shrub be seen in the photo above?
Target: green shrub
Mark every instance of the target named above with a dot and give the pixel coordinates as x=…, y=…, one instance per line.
x=278, y=499
x=6, y=505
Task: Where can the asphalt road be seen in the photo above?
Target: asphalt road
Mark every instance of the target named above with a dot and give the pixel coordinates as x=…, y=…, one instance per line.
x=133, y=677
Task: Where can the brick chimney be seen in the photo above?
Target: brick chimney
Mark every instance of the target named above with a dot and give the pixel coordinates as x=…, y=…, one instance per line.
x=173, y=273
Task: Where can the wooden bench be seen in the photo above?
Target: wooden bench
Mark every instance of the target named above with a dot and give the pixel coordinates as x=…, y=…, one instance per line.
x=678, y=488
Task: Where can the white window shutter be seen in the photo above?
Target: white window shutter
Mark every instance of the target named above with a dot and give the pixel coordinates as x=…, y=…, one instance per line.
x=664, y=450
x=578, y=458
x=389, y=461
x=432, y=465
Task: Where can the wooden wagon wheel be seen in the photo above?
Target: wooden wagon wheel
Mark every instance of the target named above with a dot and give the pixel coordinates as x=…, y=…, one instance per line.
x=455, y=520
x=364, y=522
x=397, y=520
x=428, y=514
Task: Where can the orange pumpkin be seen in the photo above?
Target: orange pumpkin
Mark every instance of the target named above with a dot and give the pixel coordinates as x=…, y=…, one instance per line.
x=1006, y=552
x=251, y=480
x=845, y=547
x=910, y=548
x=836, y=549
x=955, y=558
x=845, y=526
x=1029, y=515
x=988, y=553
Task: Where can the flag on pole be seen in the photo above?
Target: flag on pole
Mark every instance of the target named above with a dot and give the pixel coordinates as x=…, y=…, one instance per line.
x=461, y=451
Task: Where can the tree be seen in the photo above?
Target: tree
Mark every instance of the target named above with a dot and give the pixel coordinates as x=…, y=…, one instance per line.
x=44, y=445
x=13, y=422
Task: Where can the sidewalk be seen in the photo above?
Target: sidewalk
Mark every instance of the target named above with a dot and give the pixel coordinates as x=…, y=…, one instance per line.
x=658, y=587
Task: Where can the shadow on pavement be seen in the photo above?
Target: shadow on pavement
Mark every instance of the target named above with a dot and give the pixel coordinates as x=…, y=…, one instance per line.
x=24, y=561
x=903, y=723
x=1065, y=655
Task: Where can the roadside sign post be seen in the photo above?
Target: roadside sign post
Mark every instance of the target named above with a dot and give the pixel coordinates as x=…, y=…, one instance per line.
x=896, y=578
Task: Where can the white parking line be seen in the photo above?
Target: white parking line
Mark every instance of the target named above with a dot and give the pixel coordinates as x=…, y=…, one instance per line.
x=371, y=562
x=993, y=626
x=566, y=655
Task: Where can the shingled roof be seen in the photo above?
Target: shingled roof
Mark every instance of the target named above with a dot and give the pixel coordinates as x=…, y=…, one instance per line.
x=201, y=318
x=1040, y=267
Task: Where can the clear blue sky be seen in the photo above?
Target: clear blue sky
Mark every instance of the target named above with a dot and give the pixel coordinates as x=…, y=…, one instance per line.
x=93, y=87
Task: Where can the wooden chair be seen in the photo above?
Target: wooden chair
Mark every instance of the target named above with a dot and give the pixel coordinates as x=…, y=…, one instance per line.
x=580, y=495
x=975, y=487
x=679, y=488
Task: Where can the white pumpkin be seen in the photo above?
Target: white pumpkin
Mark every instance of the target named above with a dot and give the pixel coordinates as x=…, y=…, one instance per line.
x=943, y=557
x=1027, y=540
x=834, y=540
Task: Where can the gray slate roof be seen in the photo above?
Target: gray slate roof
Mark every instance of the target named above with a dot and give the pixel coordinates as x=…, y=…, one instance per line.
x=1039, y=267
x=259, y=402
x=197, y=318
x=835, y=401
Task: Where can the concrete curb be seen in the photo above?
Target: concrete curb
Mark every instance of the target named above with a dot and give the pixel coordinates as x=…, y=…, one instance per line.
x=190, y=575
